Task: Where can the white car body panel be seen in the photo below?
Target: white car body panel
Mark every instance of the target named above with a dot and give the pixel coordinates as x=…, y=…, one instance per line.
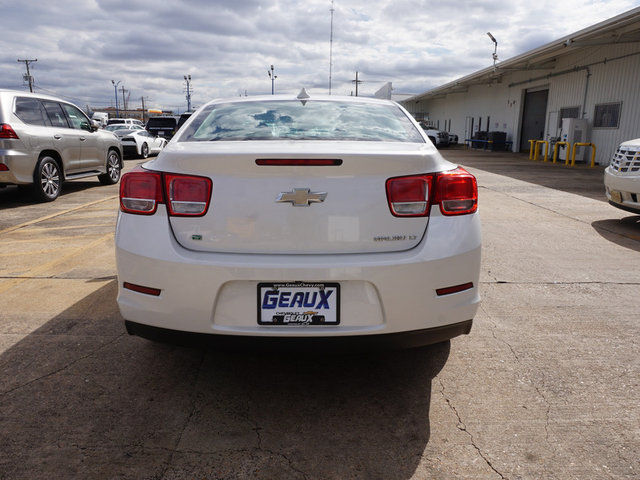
x=622, y=177
x=207, y=269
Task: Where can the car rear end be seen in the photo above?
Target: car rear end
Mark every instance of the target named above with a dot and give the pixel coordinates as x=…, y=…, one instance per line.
x=299, y=239
x=17, y=157
x=622, y=177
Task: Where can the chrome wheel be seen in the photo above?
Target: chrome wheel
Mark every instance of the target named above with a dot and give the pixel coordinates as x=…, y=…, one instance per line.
x=144, y=150
x=48, y=179
x=113, y=169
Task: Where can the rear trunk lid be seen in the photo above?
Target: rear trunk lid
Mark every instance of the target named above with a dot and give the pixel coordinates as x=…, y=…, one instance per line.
x=302, y=209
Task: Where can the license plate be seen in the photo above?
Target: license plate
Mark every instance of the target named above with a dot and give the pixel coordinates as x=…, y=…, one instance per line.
x=616, y=196
x=298, y=303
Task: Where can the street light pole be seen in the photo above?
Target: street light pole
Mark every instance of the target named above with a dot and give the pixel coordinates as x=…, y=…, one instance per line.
x=273, y=79
x=187, y=78
x=495, y=50
x=115, y=88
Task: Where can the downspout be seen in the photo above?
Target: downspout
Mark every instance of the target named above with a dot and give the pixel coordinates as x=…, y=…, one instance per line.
x=586, y=89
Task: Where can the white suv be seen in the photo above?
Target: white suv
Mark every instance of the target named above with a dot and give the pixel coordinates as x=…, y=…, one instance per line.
x=622, y=177
x=45, y=140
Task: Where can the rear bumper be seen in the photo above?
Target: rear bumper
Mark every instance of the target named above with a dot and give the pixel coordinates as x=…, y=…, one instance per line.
x=381, y=293
x=411, y=339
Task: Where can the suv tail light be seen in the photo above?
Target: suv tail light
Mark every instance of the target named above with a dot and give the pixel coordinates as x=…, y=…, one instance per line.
x=7, y=132
x=142, y=190
x=455, y=191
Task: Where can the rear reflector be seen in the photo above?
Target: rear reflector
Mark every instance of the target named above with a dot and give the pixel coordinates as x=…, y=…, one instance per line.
x=7, y=132
x=299, y=162
x=454, y=289
x=140, y=289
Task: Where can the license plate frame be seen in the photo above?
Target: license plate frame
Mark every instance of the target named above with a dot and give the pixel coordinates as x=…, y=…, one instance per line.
x=298, y=303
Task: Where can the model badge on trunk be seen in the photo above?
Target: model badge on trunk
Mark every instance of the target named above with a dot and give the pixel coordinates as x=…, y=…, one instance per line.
x=301, y=197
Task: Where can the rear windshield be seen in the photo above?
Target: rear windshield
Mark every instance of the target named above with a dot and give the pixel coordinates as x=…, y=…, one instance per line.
x=161, y=122
x=296, y=120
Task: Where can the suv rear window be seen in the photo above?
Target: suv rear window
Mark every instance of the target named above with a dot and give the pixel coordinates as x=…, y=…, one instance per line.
x=161, y=122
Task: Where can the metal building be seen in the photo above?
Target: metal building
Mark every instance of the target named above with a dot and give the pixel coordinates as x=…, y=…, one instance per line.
x=592, y=74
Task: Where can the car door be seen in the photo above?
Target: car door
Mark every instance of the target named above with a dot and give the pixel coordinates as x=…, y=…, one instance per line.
x=66, y=140
x=90, y=157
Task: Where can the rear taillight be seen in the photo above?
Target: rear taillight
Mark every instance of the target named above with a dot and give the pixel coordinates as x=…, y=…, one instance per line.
x=3, y=168
x=188, y=195
x=142, y=190
x=455, y=191
x=409, y=196
x=7, y=132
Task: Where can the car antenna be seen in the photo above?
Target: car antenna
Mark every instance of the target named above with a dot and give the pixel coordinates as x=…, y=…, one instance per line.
x=303, y=96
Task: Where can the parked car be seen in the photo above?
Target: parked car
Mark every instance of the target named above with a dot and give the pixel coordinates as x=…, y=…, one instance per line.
x=125, y=121
x=164, y=126
x=140, y=142
x=122, y=126
x=622, y=177
x=183, y=118
x=299, y=219
x=437, y=137
x=45, y=140
x=101, y=117
x=453, y=138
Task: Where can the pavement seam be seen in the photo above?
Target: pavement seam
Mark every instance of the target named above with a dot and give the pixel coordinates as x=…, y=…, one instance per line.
x=463, y=428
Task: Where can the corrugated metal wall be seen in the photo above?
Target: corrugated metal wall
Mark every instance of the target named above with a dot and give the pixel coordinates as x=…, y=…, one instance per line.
x=598, y=74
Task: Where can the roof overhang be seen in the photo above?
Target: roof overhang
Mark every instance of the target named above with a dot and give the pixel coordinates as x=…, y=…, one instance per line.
x=622, y=29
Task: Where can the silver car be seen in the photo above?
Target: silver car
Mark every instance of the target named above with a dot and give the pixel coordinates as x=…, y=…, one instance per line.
x=45, y=140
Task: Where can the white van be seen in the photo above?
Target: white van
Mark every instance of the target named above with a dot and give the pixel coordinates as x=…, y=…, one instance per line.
x=101, y=117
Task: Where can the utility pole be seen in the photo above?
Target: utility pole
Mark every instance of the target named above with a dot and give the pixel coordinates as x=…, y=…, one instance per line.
x=124, y=102
x=144, y=111
x=331, y=48
x=115, y=88
x=187, y=79
x=273, y=77
x=28, y=76
x=356, y=81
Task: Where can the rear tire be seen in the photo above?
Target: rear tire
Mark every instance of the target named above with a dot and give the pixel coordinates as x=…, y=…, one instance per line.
x=47, y=179
x=114, y=168
x=144, y=150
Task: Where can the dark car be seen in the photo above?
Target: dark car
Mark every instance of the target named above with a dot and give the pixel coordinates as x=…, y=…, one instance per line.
x=183, y=118
x=164, y=127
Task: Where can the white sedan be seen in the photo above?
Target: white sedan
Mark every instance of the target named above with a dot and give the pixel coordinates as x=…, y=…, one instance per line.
x=137, y=141
x=296, y=220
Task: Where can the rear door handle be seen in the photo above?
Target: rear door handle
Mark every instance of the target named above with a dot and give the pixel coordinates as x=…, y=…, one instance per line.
x=82, y=139
x=57, y=137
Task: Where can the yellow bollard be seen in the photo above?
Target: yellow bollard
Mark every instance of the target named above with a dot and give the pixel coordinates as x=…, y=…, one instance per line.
x=531, y=144
x=584, y=144
x=555, y=152
x=546, y=149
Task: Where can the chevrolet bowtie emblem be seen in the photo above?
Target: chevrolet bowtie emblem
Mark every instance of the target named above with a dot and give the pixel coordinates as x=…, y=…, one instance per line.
x=301, y=197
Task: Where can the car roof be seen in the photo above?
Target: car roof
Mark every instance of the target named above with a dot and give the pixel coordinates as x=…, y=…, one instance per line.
x=300, y=97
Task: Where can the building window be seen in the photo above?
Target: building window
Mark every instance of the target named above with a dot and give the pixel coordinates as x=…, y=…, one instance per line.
x=607, y=115
x=568, y=112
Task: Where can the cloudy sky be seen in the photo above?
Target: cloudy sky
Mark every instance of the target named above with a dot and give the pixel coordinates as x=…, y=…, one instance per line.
x=227, y=46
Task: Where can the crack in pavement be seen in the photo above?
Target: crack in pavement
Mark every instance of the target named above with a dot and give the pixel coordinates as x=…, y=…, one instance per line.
x=63, y=368
x=463, y=428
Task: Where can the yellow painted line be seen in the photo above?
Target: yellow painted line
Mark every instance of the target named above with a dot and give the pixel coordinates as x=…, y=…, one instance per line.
x=69, y=227
x=6, y=242
x=39, y=270
x=53, y=215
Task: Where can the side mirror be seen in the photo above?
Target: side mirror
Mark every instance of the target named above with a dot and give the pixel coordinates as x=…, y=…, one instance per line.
x=94, y=125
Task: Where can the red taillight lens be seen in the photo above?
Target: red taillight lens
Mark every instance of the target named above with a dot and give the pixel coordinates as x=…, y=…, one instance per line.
x=457, y=192
x=3, y=168
x=188, y=195
x=409, y=196
x=7, y=132
x=141, y=191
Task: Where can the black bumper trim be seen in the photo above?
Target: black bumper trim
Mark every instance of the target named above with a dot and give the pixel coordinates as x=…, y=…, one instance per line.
x=411, y=339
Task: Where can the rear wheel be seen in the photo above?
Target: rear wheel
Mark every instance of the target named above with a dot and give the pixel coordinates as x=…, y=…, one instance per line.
x=144, y=151
x=47, y=179
x=113, y=169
